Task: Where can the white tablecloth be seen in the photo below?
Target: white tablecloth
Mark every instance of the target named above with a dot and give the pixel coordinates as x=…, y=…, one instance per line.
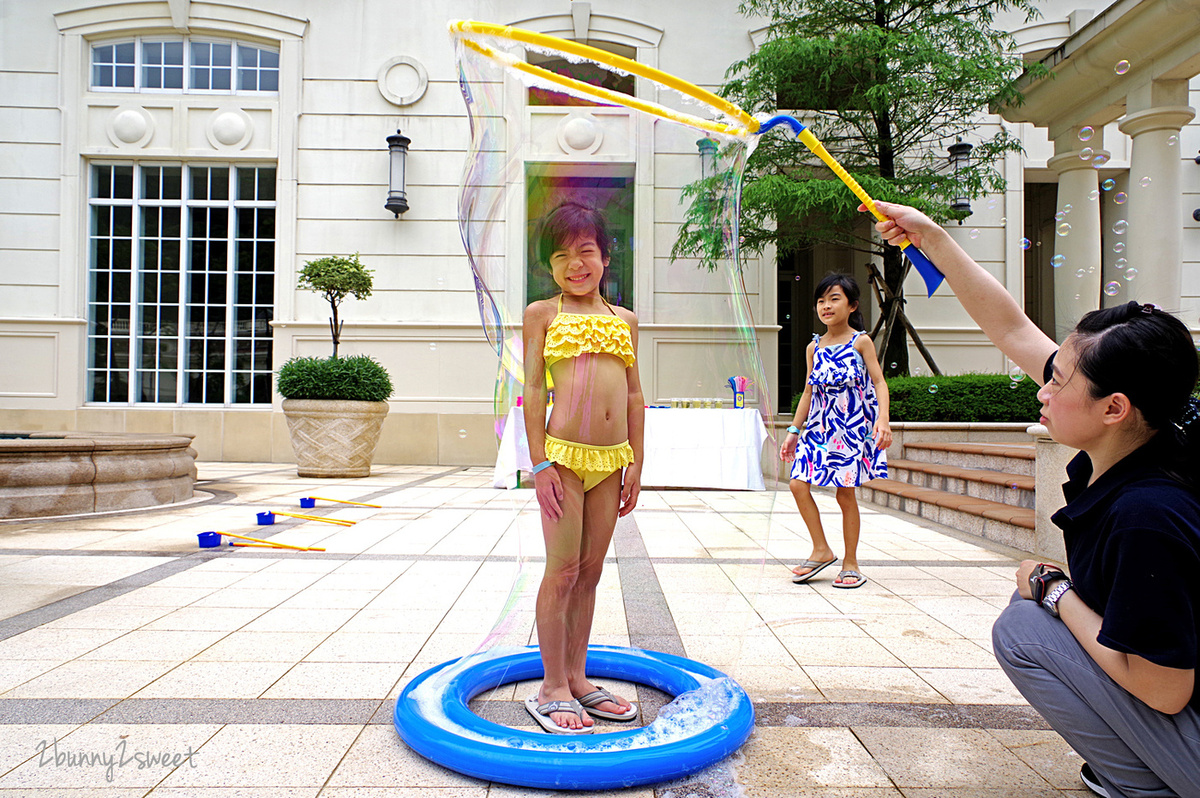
x=684, y=448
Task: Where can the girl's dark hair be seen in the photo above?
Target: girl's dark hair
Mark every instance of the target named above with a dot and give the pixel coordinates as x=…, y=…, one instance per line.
x=567, y=222
x=1147, y=354
x=849, y=288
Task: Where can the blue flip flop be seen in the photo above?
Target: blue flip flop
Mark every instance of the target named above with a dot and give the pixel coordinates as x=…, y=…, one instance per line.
x=816, y=565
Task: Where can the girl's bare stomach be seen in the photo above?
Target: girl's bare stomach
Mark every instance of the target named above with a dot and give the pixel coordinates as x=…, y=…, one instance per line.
x=591, y=396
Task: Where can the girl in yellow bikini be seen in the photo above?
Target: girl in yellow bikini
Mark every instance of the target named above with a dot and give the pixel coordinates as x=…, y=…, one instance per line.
x=587, y=459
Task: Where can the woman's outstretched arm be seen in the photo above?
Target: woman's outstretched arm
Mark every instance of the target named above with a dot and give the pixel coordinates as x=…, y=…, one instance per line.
x=982, y=296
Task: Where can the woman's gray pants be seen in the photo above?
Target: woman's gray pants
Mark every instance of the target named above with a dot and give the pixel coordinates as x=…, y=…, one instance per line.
x=1134, y=750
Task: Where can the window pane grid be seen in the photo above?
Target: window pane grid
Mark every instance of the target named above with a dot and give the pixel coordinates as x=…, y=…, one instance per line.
x=184, y=65
x=194, y=316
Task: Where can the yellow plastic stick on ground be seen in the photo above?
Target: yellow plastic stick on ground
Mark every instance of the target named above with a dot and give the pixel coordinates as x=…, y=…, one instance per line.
x=275, y=546
x=337, y=521
x=343, y=501
x=265, y=542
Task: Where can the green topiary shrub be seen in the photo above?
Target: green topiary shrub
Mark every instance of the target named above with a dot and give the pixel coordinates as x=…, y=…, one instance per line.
x=358, y=378
x=961, y=398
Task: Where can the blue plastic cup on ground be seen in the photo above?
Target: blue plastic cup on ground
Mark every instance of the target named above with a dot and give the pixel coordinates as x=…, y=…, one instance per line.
x=209, y=540
x=308, y=503
x=266, y=519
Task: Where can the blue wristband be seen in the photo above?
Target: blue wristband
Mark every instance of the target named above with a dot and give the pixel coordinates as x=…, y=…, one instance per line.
x=542, y=466
x=792, y=429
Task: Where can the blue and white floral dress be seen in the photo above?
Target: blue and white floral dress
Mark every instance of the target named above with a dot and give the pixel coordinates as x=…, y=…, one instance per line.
x=836, y=447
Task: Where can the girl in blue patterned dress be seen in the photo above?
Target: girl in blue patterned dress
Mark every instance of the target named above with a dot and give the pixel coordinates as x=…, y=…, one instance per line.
x=840, y=433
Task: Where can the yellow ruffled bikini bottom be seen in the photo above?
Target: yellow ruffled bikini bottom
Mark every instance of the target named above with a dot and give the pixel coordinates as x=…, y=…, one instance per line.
x=592, y=464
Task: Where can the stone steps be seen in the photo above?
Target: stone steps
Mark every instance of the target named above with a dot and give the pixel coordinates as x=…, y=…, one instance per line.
x=1012, y=458
x=984, y=489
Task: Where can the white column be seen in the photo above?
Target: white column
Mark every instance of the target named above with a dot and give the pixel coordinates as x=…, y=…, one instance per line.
x=1077, y=245
x=1155, y=209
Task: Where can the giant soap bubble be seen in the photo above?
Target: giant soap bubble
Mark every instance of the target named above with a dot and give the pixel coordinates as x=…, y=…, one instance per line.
x=555, y=121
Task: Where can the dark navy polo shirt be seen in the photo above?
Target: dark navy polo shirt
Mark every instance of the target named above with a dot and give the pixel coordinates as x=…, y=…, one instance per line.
x=1133, y=546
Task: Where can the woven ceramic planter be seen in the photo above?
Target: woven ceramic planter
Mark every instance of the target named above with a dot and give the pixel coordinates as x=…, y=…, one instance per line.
x=334, y=438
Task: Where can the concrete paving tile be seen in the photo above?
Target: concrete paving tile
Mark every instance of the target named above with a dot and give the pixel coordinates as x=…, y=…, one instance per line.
x=111, y=756
x=822, y=792
x=920, y=587
x=19, y=598
x=368, y=647
x=1045, y=752
x=102, y=616
x=262, y=647
x=154, y=596
x=972, y=685
x=337, y=680
x=279, y=755
x=905, y=626
x=299, y=620
x=20, y=741
x=236, y=792
x=799, y=757
x=215, y=680
x=161, y=645
x=378, y=758
x=236, y=596
x=839, y=651
x=63, y=644
x=929, y=652
x=722, y=652
x=314, y=598
x=64, y=792
x=410, y=792
x=92, y=679
x=872, y=685
x=17, y=671
x=947, y=758
x=371, y=619
x=205, y=619
x=984, y=792
x=823, y=625
x=775, y=683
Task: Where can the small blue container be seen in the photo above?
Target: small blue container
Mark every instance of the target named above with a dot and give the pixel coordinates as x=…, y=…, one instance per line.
x=308, y=503
x=209, y=540
x=266, y=519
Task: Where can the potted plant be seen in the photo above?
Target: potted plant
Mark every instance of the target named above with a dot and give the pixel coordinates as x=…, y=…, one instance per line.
x=334, y=406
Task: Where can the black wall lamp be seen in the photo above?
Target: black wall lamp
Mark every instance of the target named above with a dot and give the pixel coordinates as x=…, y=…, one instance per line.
x=397, y=198
x=960, y=156
x=708, y=156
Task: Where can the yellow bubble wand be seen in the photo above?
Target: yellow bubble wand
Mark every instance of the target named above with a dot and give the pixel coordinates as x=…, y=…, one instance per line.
x=739, y=124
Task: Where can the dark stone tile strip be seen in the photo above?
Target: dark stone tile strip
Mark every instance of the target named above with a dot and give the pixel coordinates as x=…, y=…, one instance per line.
x=316, y=712
x=89, y=598
x=36, y=711
x=651, y=625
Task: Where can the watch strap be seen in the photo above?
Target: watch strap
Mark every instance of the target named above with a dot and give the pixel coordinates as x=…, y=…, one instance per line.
x=1050, y=602
x=794, y=429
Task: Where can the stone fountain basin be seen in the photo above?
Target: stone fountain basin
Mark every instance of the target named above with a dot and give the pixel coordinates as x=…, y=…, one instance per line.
x=66, y=473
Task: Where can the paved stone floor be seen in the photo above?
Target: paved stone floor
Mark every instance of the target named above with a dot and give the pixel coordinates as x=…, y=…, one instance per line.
x=278, y=671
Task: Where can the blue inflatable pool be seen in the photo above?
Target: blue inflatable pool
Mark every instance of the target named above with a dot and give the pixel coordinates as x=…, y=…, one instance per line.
x=710, y=718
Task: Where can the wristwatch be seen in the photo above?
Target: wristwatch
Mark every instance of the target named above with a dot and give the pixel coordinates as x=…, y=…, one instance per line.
x=1040, y=579
x=1050, y=602
x=794, y=430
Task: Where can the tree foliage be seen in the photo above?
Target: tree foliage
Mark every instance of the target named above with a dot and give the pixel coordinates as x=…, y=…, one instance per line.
x=886, y=86
x=335, y=277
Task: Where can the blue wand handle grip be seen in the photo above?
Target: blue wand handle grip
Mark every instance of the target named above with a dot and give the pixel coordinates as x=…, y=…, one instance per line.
x=929, y=273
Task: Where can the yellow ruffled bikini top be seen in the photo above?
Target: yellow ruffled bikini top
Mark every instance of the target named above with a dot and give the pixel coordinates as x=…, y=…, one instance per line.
x=572, y=334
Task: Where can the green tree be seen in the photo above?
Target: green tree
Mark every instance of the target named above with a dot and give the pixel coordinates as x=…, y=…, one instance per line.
x=335, y=278
x=886, y=86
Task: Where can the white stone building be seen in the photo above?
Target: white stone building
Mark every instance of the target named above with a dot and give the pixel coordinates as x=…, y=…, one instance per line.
x=167, y=167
